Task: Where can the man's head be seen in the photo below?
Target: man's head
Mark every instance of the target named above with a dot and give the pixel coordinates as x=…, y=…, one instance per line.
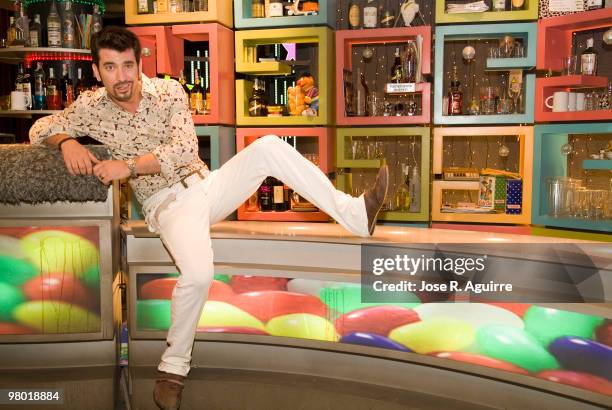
x=116, y=62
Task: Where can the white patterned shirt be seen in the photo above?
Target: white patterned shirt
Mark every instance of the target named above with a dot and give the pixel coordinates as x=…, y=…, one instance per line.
x=162, y=125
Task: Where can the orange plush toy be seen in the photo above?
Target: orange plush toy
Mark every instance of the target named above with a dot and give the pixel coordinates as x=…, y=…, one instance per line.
x=311, y=94
x=295, y=97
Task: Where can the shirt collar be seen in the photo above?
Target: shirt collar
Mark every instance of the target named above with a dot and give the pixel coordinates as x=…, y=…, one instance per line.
x=147, y=87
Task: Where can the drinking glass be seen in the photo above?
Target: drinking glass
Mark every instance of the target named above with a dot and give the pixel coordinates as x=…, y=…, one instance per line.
x=569, y=65
x=488, y=100
x=519, y=50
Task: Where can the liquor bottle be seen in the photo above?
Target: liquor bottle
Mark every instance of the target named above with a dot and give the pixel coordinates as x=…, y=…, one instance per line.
x=96, y=19
x=162, y=6
x=22, y=84
x=455, y=96
x=414, y=187
x=208, y=99
x=362, y=95
x=40, y=102
x=410, y=63
x=34, y=38
x=588, y=59
x=258, y=9
x=278, y=195
x=252, y=204
x=265, y=196
x=183, y=82
x=143, y=7
x=54, y=27
x=68, y=40
x=387, y=19
x=11, y=33
x=67, y=87
x=196, y=98
x=354, y=15
x=396, y=69
x=80, y=84
x=370, y=14
x=52, y=92
x=402, y=195
x=258, y=106
x=22, y=26
x=499, y=5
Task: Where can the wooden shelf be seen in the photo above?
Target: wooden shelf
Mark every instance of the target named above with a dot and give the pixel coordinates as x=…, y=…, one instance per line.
x=505, y=64
x=325, y=149
x=344, y=135
x=597, y=164
x=266, y=68
x=219, y=11
x=525, y=31
x=530, y=12
x=549, y=162
x=243, y=20
x=555, y=35
x=573, y=81
x=347, y=39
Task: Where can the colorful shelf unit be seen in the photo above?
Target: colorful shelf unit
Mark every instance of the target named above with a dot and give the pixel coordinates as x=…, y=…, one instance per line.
x=524, y=146
x=316, y=140
x=221, y=59
x=550, y=163
x=347, y=39
x=524, y=31
x=243, y=20
x=246, y=42
x=529, y=12
x=555, y=35
x=165, y=55
x=219, y=11
x=217, y=146
x=545, y=87
x=420, y=135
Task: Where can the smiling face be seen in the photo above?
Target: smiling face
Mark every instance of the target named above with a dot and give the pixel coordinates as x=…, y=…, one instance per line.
x=120, y=74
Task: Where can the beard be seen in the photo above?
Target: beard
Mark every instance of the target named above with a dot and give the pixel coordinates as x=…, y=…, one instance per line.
x=123, y=95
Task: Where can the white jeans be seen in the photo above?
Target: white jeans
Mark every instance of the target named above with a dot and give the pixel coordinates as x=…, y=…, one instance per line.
x=184, y=226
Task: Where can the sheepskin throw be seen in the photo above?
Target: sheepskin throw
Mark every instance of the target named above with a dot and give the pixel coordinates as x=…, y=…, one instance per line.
x=34, y=174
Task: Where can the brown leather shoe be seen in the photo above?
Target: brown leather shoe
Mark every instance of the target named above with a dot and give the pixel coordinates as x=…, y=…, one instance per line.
x=375, y=197
x=168, y=391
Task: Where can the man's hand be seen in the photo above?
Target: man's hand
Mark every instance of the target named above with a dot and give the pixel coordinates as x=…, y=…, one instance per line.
x=79, y=160
x=110, y=170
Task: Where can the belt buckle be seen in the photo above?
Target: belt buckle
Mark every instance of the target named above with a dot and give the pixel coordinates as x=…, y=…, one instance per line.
x=183, y=180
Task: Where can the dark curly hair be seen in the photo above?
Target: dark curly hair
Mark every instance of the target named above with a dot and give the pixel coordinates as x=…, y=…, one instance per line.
x=114, y=38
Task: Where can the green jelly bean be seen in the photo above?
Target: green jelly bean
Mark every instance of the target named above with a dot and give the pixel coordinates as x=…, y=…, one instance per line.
x=14, y=271
x=153, y=314
x=10, y=298
x=547, y=324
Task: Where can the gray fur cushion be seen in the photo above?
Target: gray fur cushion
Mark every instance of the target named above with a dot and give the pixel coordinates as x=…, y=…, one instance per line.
x=33, y=174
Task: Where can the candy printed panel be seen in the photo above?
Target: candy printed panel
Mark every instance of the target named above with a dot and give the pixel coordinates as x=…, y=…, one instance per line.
x=551, y=344
x=49, y=280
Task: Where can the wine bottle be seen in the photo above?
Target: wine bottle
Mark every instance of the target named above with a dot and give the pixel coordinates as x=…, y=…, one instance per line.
x=588, y=59
x=278, y=195
x=370, y=14
x=354, y=15
x=54, y=27
x=80, y=84
x=67, y=87
x=52, y=92
x=96, y=19
x=396, y=70
x=68, y=40
x=39, y=88
x=265, y=196
x=34, y=39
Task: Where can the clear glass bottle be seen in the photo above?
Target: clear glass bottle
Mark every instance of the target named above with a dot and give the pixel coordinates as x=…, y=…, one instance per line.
x=370, y=14
x=588, y=59
x=68, y=34
x=39, y=87
x=402, y=195
x=54, y=27
x=258, y=106
x=11, y=34
x=22, y=29
x=415, y=189
x=96, y=19
x=410, y=62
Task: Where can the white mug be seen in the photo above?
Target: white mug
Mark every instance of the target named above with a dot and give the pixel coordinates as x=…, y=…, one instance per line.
x=571, y=101
x=560, y=101
x=579, y=101
x=19, y=100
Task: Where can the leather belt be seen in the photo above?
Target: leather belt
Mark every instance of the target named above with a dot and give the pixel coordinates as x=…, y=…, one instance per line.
x=183, y=180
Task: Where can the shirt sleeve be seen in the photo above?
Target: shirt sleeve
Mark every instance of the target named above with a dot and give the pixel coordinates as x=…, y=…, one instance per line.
x=71, y=121
x=181, y=149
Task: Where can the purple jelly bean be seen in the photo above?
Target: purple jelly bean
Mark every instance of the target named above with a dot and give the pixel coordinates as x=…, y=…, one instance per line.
x=373, y=340
x=583, y=355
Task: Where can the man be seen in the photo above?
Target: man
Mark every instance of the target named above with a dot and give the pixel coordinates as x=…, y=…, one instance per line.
x=147, y=125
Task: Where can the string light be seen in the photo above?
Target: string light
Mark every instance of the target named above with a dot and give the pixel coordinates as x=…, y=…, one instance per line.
x=100, y=3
